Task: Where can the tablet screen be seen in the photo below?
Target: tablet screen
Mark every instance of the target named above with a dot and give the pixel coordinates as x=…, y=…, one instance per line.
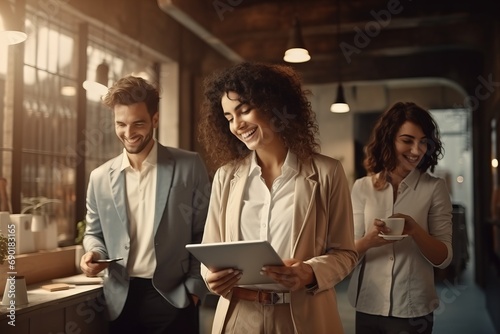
x=247, y=256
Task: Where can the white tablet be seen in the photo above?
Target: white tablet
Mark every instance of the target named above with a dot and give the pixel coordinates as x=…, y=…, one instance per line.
x=247, y=256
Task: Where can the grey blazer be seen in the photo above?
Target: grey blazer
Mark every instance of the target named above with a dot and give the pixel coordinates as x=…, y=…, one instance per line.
x=182, y=196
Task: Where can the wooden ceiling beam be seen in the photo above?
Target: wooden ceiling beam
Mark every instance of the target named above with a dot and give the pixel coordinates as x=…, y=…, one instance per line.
x=354, y=44
x=258, y=30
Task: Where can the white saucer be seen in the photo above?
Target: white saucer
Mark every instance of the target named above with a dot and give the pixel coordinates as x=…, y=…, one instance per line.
x=392, y=237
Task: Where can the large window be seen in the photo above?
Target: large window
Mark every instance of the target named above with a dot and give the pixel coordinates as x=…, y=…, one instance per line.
x=49, y=119
x=101, y=141
x=51, y=145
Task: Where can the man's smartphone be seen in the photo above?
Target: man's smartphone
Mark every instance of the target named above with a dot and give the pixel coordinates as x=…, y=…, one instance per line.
x=107, y=260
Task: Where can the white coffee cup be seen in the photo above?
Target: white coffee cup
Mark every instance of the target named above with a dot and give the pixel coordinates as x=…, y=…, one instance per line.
x=396, y=225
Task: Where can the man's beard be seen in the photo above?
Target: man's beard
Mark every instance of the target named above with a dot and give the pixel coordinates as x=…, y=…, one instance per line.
x=141, y=147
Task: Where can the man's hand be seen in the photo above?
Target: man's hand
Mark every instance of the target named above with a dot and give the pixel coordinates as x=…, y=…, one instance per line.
x=90, y=268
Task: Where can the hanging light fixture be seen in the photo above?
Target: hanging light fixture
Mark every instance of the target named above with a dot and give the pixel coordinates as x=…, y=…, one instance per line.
x=296, y=51
x=9, y=36
x=100, y=84
x=340, y=105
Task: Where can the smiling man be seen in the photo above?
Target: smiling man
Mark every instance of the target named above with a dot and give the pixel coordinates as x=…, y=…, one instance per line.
x=144, y=206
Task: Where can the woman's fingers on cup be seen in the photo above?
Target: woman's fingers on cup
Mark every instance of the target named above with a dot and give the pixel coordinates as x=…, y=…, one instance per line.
x=394, y=225
x=381, y=226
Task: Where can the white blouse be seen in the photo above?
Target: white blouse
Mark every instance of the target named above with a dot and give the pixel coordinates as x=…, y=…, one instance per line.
x=396, y=279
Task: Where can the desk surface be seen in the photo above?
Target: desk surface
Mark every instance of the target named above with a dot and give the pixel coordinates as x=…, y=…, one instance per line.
x=38, y=297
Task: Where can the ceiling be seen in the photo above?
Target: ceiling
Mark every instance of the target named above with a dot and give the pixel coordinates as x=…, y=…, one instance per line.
x=377, y=39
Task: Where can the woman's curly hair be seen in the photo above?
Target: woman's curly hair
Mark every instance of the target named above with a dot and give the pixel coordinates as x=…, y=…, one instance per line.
x=274, y=90
x=380, y=152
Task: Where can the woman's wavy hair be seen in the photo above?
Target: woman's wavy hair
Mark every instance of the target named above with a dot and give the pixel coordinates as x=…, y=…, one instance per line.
x=380, y=152
x=275, y=91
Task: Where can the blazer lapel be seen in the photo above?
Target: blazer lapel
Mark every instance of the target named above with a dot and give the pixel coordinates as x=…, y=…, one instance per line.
x=165, y=172
x=305, y=190
x=118, y=191
x=235, y=200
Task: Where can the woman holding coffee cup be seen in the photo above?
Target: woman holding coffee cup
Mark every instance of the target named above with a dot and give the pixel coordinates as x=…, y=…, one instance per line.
x=392, y=287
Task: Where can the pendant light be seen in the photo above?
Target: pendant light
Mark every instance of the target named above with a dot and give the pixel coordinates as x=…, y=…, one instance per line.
x=10, y=35
x=340, y=105
x=99, y=86
x=296, y=51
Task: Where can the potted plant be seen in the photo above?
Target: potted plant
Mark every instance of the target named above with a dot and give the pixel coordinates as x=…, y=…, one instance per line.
x=45, y=231
x=36, y=205
x=80, y=231
x=79, y=250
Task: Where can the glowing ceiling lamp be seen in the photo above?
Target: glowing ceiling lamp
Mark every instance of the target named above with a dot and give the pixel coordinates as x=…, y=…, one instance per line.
x=100, y=84
x=340, y=105
x=296, y=52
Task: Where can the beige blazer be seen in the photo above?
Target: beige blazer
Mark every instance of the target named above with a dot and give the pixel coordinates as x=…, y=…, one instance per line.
x=322, y=236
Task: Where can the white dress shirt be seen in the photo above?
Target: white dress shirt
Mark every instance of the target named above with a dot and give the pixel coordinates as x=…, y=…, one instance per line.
x=396, y=279
x=267, y=214
x=141, y=198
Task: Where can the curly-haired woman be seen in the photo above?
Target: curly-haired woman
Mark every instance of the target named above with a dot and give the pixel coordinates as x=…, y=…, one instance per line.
x=259, y=132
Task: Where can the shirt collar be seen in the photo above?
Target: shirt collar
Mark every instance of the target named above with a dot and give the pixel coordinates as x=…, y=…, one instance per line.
x=411, y=180
x=150, y=160
x=290, y=163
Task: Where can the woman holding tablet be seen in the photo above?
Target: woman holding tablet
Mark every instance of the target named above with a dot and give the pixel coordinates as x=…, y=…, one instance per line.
x=259, y=132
